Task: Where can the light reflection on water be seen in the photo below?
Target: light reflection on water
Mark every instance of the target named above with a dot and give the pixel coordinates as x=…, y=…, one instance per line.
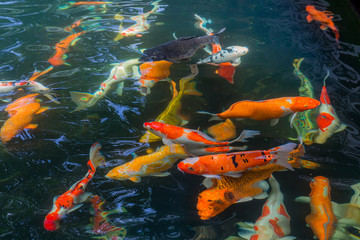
x=42, y=163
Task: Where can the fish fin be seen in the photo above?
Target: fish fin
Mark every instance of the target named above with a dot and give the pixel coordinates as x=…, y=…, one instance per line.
x=302, y=199
x=167, y=142
x=173, y=89
x=274, y=121
x=245, y=199
x=189, y=89
x=288, y=238
x=83, y=100
x=74, y=42
x=31, y=126
x=282, y=154
x=341, y=128
x=163, y=174
x=208, y=182
x=234, y=175
x=236, y=62
x=135, y=179
x=96, y=158
x=292, y=119
x=261, y=195
x=263, y=185
x=246, y=231
x=52, y=97
x=77, y=206
x=118, y=37
x=82, y=198
x=309, y=18
x=323, y=27
x=244, y=135
x=119, y=17
x=213, y=118
x=42, y=109
x=120, y=88
x=212, y=176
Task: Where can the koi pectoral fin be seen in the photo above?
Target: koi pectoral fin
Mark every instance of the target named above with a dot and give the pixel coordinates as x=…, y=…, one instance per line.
x=31, y=126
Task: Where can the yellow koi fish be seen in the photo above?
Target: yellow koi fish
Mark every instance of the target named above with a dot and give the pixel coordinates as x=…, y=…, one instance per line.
x=171, y=115
x=153, y=164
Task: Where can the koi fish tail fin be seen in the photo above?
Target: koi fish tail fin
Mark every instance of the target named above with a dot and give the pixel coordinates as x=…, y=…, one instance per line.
x=156, y=6
x=337, y=35
x=297, y=62
x=282, y=154
x=83, y=100
x=244, y=135
x=214, y=117
x=96, y=157
x=201, y=24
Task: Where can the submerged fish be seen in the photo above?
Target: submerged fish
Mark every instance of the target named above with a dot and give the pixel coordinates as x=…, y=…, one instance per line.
x=230, y=54
x=76, y=195
x=223, y=131
x=179, y=49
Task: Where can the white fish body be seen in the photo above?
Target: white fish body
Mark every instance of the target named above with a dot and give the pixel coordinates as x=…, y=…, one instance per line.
x=230, y=54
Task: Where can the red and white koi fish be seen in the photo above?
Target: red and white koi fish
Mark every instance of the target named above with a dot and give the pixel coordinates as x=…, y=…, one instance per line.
x=140, y=26
x=190, y=137
x=118, y=74
x=274, y=222
x=76, y=195
x=323, y=17
x=232, y=164
x=328, y=122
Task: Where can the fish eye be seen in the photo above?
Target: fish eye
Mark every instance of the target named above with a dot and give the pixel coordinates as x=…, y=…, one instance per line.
x=191, y=169
x=306, y=106
x=323, y=116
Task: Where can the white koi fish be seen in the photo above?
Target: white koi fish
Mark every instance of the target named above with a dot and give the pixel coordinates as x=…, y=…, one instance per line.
x=230, y=54
x=118, y=74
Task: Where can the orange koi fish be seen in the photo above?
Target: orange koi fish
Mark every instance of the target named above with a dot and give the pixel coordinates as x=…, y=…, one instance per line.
x=101, y=224
x=328, y=122
x=227, y=191
x=153, y=164
x=190, y=137
x=62, y=47
x=21, y=113
x=232, y=164
x=321, y=219
x=223, y=131
x=151, y=73
x=140, y=26
x=323, y=17
x=267, y=109
x=76, y=195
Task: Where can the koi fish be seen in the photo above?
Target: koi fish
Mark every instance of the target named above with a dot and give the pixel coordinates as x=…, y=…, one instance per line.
x=223, y=131
x=233, y=164
x=84, y=23
x=171, y=115
x=151, y=73
x=226, y=71
x=266, y=109
x=118, y=74
x=321, y=219
x=323, y=17
x=190, y=137
x=230, y=54
x=100, y=221
x=179, y=49
x=74, y=4
x=62, y=47
x=304, y=122
x=222, y=193
x=76, y=195
x=274, y=222
x=21, y=113
x=140, y=26
x=327, y=120
x=154, y=164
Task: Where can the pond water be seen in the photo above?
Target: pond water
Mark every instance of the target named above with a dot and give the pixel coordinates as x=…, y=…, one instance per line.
x=41, y=163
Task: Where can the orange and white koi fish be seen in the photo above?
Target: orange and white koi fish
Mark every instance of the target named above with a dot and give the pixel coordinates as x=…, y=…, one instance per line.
x=76, y=195
x=267, y=109
x=223, y=131
x=233, y=164
x=140, y=26
x=328, y=122
x=21, y=114
x=62, y=48
x=151, y=73
x=154, y=164
x=274, y=222
x=190, y=137
x=100, y=221
x=118, y=74
x=323, y=17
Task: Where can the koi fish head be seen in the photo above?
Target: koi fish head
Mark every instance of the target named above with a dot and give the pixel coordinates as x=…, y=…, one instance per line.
x=310, y=9
x=324, y=120
x=51, y=222
x=118, y=173
x=191, y=166
x=320, y=186
x=304, y=103
x=154, y=126
x=211, y=202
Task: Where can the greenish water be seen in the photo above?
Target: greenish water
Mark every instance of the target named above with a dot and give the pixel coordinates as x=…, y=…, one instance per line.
x=42, y=163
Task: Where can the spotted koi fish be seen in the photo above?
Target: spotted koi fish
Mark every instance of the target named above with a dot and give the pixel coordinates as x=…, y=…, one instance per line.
x=100, y=222
x=140, y=26
x=233, y=164
x=76, y=195
x=323, y=17
x=305, y=122
x=118, y=74
x=190, y=137
x=328, y=122
x=62, y=48
x=171, y=115
x=267, y=109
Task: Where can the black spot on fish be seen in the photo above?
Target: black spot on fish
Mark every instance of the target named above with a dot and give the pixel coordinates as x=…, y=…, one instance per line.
x=221, y=55
x=233, y=158
x=229, y=196
x=222, y=168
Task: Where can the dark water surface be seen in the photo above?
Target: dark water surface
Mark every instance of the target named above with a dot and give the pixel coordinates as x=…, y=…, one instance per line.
x=42, y=163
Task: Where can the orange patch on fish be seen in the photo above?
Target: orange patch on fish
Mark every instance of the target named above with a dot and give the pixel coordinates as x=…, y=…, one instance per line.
x=223, y=131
